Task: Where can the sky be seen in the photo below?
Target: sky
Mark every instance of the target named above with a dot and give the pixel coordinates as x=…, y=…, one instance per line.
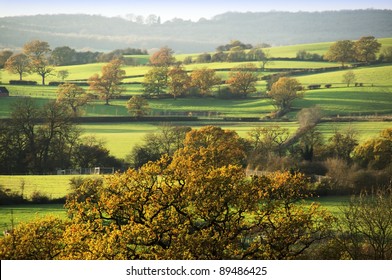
x=169, y=9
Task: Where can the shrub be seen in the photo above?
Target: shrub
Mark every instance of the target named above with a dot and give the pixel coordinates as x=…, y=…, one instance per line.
x=312, y=168
x=38, y=197
x=54, y=83
x=9, y=197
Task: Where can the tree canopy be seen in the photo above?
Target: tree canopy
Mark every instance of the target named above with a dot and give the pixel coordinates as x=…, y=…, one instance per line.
x=366, y=49
x=73, y=96
x=242, y=80
x=162, y=57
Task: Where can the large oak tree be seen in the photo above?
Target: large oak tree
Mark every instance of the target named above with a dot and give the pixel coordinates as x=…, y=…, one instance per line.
x=18, y=64
x=39, y=54
x=341, y=51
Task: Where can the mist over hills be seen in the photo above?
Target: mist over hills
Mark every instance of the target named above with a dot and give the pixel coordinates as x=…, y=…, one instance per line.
x=276, y=28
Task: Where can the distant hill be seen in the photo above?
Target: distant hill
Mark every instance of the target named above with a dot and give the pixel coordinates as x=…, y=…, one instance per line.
x=276, y=28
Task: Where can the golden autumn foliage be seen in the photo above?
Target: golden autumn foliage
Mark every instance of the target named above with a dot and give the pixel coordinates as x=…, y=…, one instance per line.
x=198, y=204
x=39, y=240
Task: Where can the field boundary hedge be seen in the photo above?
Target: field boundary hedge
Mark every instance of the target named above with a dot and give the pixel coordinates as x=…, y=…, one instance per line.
x=134, y=119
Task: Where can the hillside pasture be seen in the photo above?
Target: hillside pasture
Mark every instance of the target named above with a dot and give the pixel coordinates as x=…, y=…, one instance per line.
x=378, y=75
x=353, y=101
x=372, y=98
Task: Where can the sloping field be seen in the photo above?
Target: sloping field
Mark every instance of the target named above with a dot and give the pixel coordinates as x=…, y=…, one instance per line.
x=372, y=75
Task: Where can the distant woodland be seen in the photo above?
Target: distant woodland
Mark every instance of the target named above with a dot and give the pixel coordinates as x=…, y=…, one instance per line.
x=94, y=32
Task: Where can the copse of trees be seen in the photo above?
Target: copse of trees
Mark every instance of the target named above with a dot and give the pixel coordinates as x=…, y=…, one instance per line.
x=362, y=50
x=177, y=82
x=234, y=44
x=37, y=139
x=236, y=54
x=65, y=55
x=308, y=56
x=41, y=139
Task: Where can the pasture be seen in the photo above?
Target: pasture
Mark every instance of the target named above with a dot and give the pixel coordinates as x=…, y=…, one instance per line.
x=54, y=186
x=120, y=138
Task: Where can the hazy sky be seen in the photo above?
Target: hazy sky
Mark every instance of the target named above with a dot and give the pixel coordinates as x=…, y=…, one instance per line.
x=168, y=9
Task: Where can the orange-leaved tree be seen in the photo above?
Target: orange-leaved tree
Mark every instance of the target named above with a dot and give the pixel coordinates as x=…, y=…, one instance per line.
x=204, y=79
x=178, y=81
x=242, y=80
x=108, y=86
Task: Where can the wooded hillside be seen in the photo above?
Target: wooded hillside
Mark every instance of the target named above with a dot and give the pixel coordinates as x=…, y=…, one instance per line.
x=275, y=28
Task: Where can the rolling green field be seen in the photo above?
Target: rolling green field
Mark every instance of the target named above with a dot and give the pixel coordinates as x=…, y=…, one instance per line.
x=380, y=75
x=375, y=97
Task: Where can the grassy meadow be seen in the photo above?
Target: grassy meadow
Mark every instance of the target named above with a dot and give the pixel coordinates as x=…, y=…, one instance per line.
x=54, y=186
